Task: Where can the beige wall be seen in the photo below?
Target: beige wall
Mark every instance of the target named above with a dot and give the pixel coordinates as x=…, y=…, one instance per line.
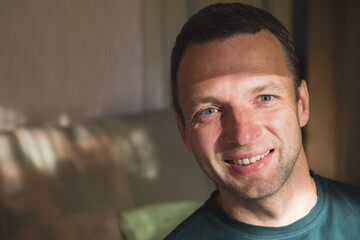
x=79, y=60
x=83, y=58
x=163, y=19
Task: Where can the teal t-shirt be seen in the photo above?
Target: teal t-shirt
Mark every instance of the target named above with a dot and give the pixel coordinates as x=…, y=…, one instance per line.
x=336, y=215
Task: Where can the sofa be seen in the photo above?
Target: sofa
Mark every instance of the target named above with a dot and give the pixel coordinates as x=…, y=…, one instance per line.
x=89, y=180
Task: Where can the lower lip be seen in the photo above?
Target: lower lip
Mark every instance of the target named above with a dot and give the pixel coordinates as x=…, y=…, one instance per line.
x=252, y=167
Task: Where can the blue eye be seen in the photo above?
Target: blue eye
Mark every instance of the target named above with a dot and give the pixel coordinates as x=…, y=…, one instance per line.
x=209, y=111
x=265, y=98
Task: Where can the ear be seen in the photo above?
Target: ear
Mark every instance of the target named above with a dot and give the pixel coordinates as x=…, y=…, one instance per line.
x=303, y=104
x=183, y=133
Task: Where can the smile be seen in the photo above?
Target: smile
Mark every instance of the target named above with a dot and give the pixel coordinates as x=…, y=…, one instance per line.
x=247, y=161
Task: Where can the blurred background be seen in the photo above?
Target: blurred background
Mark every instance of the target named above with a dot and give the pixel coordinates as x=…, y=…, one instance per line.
x=86, y=129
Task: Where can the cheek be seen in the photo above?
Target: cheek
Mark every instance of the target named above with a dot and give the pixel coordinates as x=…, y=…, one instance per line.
x=205, y=138
x=281, y=122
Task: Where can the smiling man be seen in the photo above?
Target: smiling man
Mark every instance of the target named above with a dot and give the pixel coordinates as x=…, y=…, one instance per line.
x=240, y=104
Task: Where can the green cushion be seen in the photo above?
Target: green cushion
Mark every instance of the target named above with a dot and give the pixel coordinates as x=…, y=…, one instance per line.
x=154, y=222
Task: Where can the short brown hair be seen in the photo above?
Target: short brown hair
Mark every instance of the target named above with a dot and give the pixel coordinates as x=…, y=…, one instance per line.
x=219, y=21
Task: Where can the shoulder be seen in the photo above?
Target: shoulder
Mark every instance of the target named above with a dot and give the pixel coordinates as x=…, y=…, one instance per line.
x=341, y=208
x=340, y=192
x=342, y=188
x=202, y=224
x=189, y=228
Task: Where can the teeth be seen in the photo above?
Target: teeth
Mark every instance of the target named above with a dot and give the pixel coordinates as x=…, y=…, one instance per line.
x=247, y=161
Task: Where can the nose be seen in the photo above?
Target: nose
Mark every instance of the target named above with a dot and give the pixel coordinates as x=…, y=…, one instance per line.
x=241, y=127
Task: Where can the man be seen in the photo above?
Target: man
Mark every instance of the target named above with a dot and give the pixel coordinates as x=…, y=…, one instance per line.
x=240, y=104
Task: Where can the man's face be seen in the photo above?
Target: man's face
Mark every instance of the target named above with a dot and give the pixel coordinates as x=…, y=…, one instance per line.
x=242, y=119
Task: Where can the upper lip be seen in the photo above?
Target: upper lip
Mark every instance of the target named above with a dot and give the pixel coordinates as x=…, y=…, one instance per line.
x=246, y=155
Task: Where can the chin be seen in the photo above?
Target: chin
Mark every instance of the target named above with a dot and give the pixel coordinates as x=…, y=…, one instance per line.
x=254, y=192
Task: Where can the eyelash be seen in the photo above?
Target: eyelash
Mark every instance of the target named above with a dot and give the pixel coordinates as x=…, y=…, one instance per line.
x=267, y=96
x=203, y=113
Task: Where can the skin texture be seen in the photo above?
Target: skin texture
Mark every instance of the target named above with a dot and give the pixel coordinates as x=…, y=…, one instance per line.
x=238, y=100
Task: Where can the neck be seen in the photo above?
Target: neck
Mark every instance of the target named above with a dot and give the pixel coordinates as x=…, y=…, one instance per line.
x=294, y=200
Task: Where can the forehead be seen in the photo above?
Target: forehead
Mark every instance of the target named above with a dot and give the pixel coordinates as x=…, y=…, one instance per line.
x=259, y=53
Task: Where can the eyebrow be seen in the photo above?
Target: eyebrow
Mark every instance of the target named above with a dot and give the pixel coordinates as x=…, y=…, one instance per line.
x=197, y=101
x=269, y=87
x=206, y=100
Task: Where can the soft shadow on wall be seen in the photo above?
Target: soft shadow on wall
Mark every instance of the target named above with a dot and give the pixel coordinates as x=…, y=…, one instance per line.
x=333, y=73
x=80, y=58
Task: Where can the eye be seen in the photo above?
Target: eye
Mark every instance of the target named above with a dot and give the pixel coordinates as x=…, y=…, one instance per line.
x=265, y=98
x=208, y=111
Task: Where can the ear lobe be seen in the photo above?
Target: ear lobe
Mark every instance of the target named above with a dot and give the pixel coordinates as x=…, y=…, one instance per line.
x=303, y=104
x=183, y=133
